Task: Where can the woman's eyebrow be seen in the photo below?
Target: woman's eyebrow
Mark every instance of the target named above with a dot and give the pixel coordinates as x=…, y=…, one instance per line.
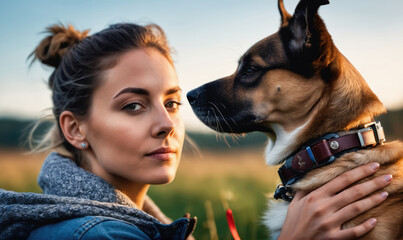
x=143, y=91
x=140, y=91
x=173, y=90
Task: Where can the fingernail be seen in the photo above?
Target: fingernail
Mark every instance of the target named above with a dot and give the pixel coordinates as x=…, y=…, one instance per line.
x=388, y=177
x=384, y=194
x=375, y=166
x=372, y=221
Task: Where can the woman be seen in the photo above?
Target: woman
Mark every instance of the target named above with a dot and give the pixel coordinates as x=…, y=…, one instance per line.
x=115, y=100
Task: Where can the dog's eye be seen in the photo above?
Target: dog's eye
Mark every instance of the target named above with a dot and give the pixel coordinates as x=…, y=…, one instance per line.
x=249, y=74
x=248, y=71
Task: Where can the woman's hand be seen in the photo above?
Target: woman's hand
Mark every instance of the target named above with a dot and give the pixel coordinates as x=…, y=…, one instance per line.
x=320, y=214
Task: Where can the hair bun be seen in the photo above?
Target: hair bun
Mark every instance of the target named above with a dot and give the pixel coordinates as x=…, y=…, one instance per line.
x=51, y=49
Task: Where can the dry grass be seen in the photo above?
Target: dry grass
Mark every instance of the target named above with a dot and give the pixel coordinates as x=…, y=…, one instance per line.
x=238, y=164
x=238, y=179
x=20, y=170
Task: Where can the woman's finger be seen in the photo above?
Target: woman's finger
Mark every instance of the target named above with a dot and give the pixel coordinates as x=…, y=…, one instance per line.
x=360, y=190
x=346, y=179
x=357, y=231
x=361, y=206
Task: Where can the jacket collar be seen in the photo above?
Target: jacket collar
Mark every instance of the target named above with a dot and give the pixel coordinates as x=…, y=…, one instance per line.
x=62, y=177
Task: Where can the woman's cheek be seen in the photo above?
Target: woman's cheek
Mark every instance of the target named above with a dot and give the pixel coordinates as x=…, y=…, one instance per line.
x=180, y=128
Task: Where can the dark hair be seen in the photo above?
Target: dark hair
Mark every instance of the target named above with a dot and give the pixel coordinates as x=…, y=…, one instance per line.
x=79, y=62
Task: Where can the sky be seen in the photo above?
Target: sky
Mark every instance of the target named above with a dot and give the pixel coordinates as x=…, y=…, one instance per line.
x=208, y=37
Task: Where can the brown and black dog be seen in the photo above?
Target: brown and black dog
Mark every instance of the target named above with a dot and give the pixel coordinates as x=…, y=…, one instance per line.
x=316, y=109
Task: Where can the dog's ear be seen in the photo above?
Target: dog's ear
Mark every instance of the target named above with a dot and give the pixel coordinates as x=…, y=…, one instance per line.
x=309, y=47
x=285, y=16
x=304, y=23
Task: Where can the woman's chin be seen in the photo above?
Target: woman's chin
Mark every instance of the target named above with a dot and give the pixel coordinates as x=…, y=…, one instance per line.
x=162, y=181
x=163, y=178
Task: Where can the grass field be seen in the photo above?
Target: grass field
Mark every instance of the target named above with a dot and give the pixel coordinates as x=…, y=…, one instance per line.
x=205, y=186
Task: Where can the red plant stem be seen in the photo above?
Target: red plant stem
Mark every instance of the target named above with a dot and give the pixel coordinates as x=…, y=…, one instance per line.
x=231, y=225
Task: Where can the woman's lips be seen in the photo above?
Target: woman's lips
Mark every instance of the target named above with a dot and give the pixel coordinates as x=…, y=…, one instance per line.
x=164, y=153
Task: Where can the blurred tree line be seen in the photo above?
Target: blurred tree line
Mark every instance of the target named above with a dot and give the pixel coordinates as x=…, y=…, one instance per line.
x=14, y=133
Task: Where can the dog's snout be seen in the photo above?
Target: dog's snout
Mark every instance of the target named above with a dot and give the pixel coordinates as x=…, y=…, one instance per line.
x=194, y=94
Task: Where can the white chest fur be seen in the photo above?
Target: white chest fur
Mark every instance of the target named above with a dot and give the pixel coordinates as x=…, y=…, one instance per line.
x=276, y=152
x=277, y=149
x=274, y=217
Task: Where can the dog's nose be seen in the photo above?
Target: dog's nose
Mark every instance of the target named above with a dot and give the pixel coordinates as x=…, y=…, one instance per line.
x=194, y=94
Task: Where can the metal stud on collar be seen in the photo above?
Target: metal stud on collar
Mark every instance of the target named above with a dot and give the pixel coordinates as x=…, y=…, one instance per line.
x=334, y=145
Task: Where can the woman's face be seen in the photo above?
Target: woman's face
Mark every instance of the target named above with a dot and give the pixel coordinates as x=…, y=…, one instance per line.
x=135, y=132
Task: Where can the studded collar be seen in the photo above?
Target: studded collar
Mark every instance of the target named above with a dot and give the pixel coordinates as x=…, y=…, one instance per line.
x=324, y=151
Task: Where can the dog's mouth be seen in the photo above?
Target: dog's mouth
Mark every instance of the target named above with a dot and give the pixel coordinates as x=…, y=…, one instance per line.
x=215, y=116
x=223, y=116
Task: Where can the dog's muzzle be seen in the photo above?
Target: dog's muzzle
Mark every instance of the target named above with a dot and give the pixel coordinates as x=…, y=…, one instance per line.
x=193, y=95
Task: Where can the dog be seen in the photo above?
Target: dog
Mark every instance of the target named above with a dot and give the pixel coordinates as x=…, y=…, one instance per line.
x=316, y=109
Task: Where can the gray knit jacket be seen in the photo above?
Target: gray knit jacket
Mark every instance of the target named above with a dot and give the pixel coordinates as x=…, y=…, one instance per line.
x=71, y=192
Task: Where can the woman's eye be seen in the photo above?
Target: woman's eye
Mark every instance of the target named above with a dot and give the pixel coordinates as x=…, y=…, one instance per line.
x=132, y=107
x=173, y=105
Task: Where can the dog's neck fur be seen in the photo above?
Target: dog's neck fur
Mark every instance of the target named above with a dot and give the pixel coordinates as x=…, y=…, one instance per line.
x=341, y=108
x=278, y=148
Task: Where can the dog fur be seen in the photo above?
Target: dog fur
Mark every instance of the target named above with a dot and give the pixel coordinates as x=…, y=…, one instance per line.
x=295, y=85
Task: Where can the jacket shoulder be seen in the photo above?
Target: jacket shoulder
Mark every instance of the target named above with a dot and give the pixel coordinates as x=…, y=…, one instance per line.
x=89, y=228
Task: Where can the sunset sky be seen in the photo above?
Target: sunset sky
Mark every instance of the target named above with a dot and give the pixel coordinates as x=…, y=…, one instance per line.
x=208, y=36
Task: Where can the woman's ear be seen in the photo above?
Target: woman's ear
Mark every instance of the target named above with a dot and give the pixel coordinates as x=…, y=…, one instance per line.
x=72, y=129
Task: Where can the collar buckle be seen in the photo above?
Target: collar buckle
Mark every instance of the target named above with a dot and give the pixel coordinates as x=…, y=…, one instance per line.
x=281, y=192
x=378, y=131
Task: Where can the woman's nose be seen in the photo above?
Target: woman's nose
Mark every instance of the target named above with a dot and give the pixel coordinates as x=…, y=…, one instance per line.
x=164, y=125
